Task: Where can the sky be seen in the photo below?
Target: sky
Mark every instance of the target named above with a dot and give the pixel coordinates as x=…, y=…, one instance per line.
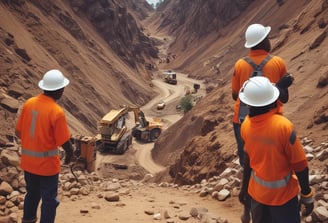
x=152, y=1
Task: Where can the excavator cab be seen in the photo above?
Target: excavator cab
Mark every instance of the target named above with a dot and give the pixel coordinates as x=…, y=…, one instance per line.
x=143, y=123
x=144, y=130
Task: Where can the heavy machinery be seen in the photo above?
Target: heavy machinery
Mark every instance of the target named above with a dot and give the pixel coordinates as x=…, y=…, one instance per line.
x=84, y=154
x=170, y=77
x=144, y=130
x=193, y=91
x=115, y=137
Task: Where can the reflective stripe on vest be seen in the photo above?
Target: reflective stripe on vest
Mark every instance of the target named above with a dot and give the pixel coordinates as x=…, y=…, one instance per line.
x=272, y=184
x=53, y=152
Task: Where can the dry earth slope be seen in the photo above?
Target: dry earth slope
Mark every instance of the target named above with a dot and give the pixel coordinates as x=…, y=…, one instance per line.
x=107, y=70
x=97, y=45
x=201, y=143
x=94, y=44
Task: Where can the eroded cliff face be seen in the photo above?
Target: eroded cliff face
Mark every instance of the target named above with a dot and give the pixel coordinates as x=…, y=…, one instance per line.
x=97, y=45
x=199, y=18
x=118, y=28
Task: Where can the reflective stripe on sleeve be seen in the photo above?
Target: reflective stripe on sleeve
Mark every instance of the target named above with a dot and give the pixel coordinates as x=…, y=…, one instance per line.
x=53, y=152
x=307, y=200
x=272, y=184
x=292, y=137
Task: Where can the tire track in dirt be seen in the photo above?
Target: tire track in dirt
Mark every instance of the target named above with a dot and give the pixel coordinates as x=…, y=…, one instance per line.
x=170, y=94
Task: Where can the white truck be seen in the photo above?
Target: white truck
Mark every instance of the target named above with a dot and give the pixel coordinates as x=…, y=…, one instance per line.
x=170, y=77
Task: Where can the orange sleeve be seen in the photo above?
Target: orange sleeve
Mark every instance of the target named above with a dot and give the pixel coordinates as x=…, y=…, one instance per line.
x=61, y=130
x=294, y=149
x=240, y=74
x=281, y=65
x=300, y=166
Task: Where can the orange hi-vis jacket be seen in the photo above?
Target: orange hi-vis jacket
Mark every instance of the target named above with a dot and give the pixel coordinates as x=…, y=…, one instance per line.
x=274, y=69
x=273, y=148
x=43, y=128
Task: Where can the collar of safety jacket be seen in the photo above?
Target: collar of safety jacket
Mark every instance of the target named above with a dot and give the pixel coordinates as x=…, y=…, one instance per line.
x=257, y=53
x=265, y=116
x=45, y=97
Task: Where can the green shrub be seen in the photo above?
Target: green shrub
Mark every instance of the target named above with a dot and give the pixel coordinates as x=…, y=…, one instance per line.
x=186, y=103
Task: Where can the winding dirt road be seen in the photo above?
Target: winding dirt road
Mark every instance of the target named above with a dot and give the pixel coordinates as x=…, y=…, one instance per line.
x=140, y=153
x=171, y=95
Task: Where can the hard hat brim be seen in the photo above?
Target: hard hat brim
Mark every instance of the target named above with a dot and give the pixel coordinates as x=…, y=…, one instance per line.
x=246, y=101
x=267, y=31
x=64, y=84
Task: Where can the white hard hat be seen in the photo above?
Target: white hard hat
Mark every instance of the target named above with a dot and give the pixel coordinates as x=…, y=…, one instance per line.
x=53, y=80
x=258, y=91
x=255, y=34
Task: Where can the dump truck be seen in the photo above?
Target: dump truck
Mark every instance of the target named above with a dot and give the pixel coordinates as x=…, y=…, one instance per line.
x=115, y=137
x=170, y=77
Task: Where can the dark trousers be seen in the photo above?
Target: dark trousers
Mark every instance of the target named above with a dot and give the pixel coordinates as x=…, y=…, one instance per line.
x=287, y=213
x=37, y=188
x=240, y=143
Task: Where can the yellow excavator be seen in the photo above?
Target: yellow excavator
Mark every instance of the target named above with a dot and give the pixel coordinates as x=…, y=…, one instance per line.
x=115, y=137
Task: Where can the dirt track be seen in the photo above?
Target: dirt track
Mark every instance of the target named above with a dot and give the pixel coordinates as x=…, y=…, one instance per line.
x=140, y=153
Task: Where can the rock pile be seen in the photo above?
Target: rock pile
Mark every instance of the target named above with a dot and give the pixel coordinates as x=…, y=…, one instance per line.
x=223, y=187
x=12, y=185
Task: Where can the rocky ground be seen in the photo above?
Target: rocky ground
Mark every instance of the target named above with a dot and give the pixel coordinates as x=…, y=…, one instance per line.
x=87, y=197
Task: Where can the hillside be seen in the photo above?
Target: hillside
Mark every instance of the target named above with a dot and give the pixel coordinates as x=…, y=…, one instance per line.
x=107, y=70
x=298, y=36
x=82, y=39
x=112, y=51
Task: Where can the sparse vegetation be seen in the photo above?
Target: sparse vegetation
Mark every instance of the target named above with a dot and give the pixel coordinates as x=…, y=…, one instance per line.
x=186, y=103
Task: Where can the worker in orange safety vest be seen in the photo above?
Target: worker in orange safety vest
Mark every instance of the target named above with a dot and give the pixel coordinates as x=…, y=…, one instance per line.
x=42, y=128
x=258, y=62
x=275, y=164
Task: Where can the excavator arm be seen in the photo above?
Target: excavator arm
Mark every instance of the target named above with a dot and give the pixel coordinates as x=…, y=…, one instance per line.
x=139, y=116
x=143, y=129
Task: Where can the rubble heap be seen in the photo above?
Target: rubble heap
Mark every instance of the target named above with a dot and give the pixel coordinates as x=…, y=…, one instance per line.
x=74, y=184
